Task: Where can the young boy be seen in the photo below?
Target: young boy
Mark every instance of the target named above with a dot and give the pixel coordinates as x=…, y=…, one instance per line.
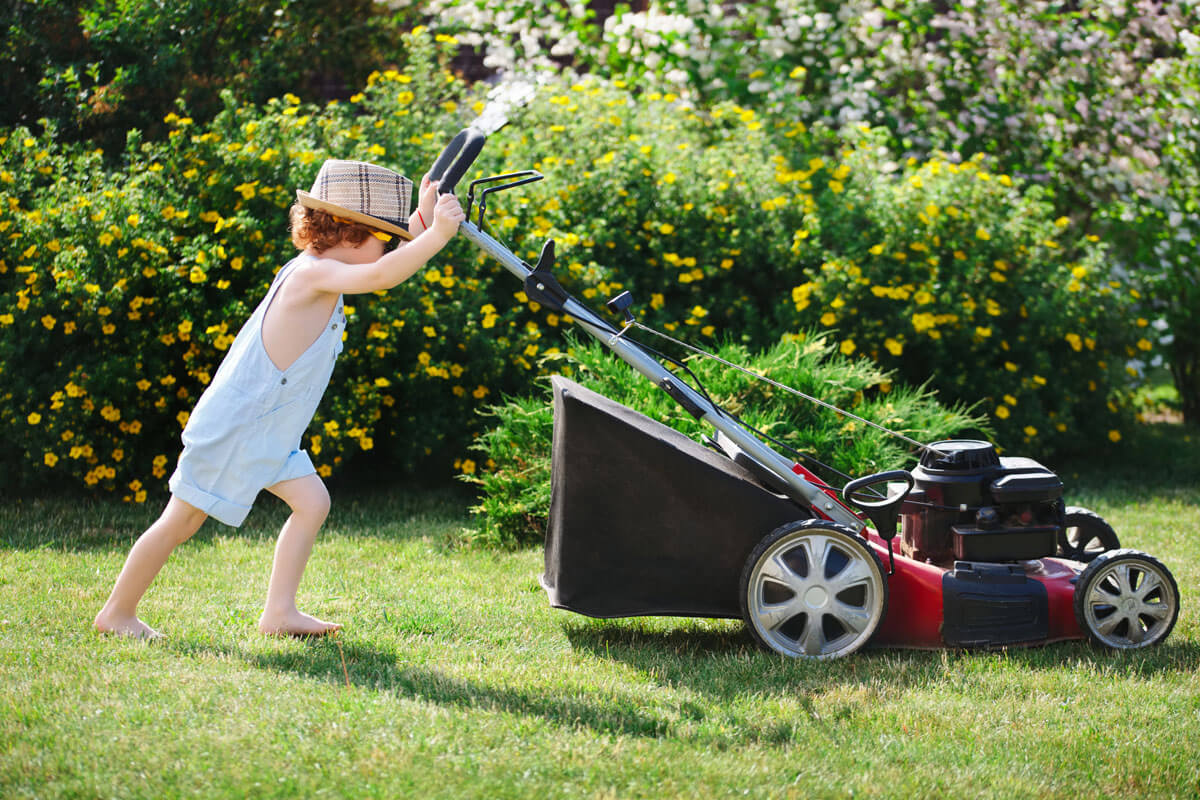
x=244, y=433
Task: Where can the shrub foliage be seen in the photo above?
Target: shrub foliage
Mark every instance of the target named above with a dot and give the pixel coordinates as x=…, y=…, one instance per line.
x=516, y=450
x=123, y=285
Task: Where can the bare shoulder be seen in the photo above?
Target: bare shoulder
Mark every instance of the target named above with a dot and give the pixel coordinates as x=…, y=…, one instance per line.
x=319, y=275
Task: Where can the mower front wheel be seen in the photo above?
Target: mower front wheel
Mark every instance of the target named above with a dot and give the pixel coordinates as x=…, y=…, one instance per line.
x=1126, y=600
x=813, y=589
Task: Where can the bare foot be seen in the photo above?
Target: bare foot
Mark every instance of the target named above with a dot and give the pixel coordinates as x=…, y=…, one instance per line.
x=295, y=623
x=132, y=627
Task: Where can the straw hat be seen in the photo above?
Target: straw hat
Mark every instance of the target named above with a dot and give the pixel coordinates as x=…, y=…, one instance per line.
x=361, y=192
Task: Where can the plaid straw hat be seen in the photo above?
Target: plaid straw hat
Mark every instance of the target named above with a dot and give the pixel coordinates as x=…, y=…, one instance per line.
x=361, y=192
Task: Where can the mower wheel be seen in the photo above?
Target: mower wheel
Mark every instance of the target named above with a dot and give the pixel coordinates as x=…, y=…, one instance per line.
x=813, y=589
x=1085, y=535
x=1126, y=600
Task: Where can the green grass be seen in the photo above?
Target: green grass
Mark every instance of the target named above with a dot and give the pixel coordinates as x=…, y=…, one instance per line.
x=464, y=683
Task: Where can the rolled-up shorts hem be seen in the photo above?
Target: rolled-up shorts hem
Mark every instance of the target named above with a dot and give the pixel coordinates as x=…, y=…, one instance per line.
x=220, y=509
x=231, y=512
x=298, y=465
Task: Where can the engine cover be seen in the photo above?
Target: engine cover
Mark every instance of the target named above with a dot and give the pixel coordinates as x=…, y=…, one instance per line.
x=970, y=504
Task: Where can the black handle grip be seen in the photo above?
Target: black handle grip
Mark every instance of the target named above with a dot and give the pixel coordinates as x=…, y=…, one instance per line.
x=447, y=155
x=870, y=480
x=466, y=157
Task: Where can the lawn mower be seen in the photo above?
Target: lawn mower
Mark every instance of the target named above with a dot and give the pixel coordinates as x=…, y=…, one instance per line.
x=645, y=521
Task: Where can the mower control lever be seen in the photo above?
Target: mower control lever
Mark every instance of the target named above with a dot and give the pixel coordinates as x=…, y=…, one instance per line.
x=541, y=286
x=883, y=509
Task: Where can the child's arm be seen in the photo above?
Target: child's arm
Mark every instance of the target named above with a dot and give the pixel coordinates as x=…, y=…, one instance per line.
x=336, y=277
x=422, y=218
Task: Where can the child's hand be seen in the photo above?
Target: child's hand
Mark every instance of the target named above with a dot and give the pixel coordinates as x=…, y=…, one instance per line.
x=426, y=200
x=447, y=215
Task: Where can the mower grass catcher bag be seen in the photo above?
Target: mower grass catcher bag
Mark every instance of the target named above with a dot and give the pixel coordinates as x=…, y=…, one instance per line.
x=643, y=520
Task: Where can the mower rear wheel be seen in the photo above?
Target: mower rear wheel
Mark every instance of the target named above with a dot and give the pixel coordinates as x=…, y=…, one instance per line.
x=813, y=589
x=1126, y=600
x=1085, y=535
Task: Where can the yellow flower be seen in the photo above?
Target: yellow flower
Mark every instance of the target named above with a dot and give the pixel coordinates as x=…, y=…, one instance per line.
x=1002, y=412
x=49, y=459
x=981, y=233
x=828, y=318
x=468, y=467
x=894, y=347
x=480, y=392
x=847, y=347
x=1144, y=344
x=48, y=322
x=34, y=418
x=1114, y=436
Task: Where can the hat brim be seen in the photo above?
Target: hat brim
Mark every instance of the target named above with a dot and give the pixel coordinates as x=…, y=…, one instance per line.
x=308, y=201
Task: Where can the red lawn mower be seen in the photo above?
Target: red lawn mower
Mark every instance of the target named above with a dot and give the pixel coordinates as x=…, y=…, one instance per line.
x=646, y=521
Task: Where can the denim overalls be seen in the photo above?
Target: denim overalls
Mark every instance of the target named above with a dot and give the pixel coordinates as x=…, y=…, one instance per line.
x=244, y=433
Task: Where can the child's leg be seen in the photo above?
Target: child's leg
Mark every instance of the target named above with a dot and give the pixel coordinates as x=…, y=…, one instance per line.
x=309, y=502
x=178, y=522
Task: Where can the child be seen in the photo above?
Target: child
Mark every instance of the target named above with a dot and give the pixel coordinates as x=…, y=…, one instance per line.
x=244, y=433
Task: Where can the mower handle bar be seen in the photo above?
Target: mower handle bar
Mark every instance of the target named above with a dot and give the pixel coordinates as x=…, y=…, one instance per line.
x=456, y=159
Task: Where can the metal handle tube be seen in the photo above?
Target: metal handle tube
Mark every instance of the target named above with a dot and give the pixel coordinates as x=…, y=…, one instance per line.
x=640, y=360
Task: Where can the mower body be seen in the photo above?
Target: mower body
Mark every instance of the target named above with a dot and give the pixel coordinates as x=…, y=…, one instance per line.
x=644, y=521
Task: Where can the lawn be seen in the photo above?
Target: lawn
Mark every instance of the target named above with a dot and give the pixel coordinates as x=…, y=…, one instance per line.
x=454, y=678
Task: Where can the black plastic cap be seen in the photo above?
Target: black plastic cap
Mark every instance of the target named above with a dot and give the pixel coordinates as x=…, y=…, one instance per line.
x=960, y=455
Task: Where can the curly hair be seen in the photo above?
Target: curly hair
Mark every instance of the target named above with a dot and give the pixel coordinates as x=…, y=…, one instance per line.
x=320, y=231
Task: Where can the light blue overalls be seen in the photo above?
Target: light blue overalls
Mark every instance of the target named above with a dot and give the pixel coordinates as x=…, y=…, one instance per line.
x=244, y=433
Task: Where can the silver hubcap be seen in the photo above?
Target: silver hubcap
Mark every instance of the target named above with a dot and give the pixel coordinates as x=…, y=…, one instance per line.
x=1129, y=604
x=815, y=595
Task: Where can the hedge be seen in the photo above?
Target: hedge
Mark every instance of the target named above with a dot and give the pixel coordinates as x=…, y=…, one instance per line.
x=123, y=286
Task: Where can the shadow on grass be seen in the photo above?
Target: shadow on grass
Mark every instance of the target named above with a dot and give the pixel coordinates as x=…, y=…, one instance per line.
x=382, y=670
x=719, y=669
x=728, y=662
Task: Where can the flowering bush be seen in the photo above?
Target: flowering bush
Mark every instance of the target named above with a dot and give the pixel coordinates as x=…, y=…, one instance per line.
x=1096, y=101
x=123, y=288
x=515, y=485
x=952, y=273
x=949, y=273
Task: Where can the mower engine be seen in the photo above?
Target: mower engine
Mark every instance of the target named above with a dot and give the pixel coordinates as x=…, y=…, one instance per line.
x=970, y=504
